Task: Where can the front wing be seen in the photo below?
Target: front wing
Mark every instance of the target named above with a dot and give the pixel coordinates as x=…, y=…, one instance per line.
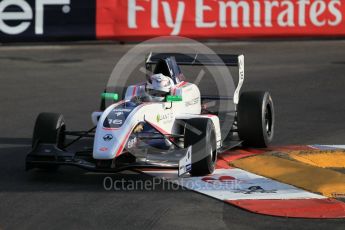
x=49, y=156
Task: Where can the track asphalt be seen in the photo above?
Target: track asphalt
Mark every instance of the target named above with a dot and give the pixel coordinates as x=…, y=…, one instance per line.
x=306, y=80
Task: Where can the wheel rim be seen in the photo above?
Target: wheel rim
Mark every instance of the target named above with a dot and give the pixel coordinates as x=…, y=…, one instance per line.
x=211, y=149
x=268, y=120
x=61, y=136
x=211, y=166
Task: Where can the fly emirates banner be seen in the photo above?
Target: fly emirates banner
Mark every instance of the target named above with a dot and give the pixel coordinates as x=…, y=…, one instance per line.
x=138, y=19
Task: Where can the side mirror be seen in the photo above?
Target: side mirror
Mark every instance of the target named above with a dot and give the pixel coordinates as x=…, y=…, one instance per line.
x=107, y=96
x=172, y=98
x=110, y=96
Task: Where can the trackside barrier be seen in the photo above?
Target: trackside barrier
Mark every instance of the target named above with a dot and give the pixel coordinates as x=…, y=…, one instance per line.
x=45, y=20
x=42, y=20
x=208, y=19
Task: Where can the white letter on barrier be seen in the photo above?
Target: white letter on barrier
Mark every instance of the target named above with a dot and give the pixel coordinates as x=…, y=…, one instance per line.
x=25, y=14
x=40, y=12
x=234, y=13
x=301, y=11
x=179, y=16
x=288, y=13
x=316, y=9
x=336, y=12
x=268, y=12
x=199, y=13
x=154, y=14
x=132, y=13
x=257, y=14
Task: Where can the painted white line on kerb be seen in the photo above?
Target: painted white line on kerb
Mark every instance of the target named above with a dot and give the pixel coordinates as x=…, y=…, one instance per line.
x=237, y=184
x=327, y=147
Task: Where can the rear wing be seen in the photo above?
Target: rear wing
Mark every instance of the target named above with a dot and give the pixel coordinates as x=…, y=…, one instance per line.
x=196, y=59
x=231, y=60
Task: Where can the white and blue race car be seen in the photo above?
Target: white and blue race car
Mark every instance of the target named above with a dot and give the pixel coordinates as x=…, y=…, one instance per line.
x=176, y=132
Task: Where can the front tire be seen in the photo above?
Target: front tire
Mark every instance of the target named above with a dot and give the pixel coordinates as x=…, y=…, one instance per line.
x=255, y=119
x=200, y=134
x=49, y=128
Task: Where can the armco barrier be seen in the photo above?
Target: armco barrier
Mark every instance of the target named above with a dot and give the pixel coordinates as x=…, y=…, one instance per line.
x=40, y=20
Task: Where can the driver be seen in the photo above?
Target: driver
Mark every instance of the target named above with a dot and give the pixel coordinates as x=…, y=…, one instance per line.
x=158, y=87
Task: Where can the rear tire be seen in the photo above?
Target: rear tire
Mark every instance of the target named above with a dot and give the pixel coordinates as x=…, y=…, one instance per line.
x=255, y=119
x=200, y=134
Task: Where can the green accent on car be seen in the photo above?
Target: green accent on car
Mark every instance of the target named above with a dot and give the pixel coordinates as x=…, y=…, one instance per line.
x=158, y=118
x=172, y=98
x=110, y=96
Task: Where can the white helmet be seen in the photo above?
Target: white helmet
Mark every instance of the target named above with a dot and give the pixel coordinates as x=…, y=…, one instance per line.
x=159, y=86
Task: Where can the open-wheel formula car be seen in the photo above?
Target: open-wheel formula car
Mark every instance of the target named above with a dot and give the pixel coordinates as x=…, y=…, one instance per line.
x=158, y=124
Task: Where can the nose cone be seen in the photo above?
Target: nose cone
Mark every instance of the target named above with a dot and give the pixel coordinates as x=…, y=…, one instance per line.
x=105, y=144
x=112, y=132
